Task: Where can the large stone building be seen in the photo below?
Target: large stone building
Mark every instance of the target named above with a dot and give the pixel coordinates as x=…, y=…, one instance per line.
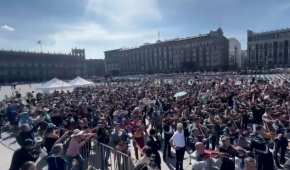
x=235, y=60
x=245, y=59
x=269, y=49
x=94, y=67
x=200, y=53
x=19, y=66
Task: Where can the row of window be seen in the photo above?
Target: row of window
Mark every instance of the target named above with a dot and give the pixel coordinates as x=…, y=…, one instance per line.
x=24, y=65
x=275, y=44
x=207, y=45
x=154, y=62
x=269, y=36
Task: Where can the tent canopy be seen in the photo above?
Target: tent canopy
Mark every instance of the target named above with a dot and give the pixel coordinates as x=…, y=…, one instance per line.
x=80, y=82
x=54, y=84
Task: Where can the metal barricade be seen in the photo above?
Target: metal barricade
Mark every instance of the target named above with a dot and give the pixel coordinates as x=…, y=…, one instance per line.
x=103, y=157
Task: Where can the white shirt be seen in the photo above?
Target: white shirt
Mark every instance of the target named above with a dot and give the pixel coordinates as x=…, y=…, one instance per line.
x=178, y=139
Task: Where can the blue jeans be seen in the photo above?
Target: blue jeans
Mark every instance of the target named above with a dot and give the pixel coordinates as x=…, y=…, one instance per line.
x=80, y=160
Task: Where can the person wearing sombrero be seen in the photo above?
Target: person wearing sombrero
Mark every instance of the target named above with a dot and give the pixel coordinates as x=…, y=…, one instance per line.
x=138, y=137
x=78, y=139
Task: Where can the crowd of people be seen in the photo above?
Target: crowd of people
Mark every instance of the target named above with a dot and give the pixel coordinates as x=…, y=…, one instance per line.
x=222, y=122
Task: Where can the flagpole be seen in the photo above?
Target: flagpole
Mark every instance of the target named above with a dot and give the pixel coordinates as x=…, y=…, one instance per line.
x=40, y=44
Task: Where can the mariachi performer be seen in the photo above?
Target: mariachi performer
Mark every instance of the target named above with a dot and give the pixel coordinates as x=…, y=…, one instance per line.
x=259, y=146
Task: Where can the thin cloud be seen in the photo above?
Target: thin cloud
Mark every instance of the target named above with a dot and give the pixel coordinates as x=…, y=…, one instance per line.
x=285, y=7
x=96, y=38
x=6, y=27
x=125, y=11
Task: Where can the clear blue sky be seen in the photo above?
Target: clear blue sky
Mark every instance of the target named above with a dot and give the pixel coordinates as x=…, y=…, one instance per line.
x=99, y=25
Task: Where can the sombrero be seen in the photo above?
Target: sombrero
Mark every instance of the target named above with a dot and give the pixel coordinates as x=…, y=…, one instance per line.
x=76, y=133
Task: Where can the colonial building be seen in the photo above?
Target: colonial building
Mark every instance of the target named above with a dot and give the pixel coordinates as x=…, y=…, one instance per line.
x=235, y=61
x=200, y=53
x=269, y=49
x=94, y=67
x=245, y=59
x=19, y=66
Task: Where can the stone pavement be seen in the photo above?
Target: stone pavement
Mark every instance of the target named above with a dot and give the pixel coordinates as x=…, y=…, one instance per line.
x=5, y=157
x=7, y=146
x=23, y=89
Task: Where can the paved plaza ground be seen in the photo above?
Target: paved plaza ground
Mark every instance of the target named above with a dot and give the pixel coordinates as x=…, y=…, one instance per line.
x=5, y=157
x=23, y=89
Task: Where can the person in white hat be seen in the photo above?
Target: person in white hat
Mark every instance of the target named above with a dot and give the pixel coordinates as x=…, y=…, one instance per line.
x=78, y=139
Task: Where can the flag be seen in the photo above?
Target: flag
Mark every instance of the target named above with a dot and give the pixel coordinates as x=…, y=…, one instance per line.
x=39, y=42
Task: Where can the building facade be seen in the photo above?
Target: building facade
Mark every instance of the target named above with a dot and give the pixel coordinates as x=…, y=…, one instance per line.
x=235, y=60
x=94, y=67
x=17, y=66
x=245, y=59
x=269, y=49
x=200, y=53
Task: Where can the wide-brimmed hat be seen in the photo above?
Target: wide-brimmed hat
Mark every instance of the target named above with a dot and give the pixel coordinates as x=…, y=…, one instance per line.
x=46, y=109
x=77, y=133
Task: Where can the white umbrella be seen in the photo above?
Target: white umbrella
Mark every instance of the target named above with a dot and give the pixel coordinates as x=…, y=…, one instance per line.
x=180, y=94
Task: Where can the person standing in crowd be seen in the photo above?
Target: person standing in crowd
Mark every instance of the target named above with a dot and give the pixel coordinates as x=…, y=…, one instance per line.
x=168, y=132
x=115, y=137
x=244, y=119
x=228, y=161
x=50, y=137
x=213, y=132
x=25, y=133
x=278, y=127
x=78, y=139
x=280, y=145
x=258, y=112
x=261, y=150
x=11, y=112
x=178, y=143
x=203, y=160
x=154, y=144
x=24, y=154
x=138, y=138
x=103, y=136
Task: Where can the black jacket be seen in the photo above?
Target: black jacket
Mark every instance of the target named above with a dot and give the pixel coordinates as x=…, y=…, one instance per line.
x=263, y=156
x=20, y=156
x=155, y=146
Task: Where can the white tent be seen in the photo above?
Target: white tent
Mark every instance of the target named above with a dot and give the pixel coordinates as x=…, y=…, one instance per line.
x=54, y=85
x=80, y=82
